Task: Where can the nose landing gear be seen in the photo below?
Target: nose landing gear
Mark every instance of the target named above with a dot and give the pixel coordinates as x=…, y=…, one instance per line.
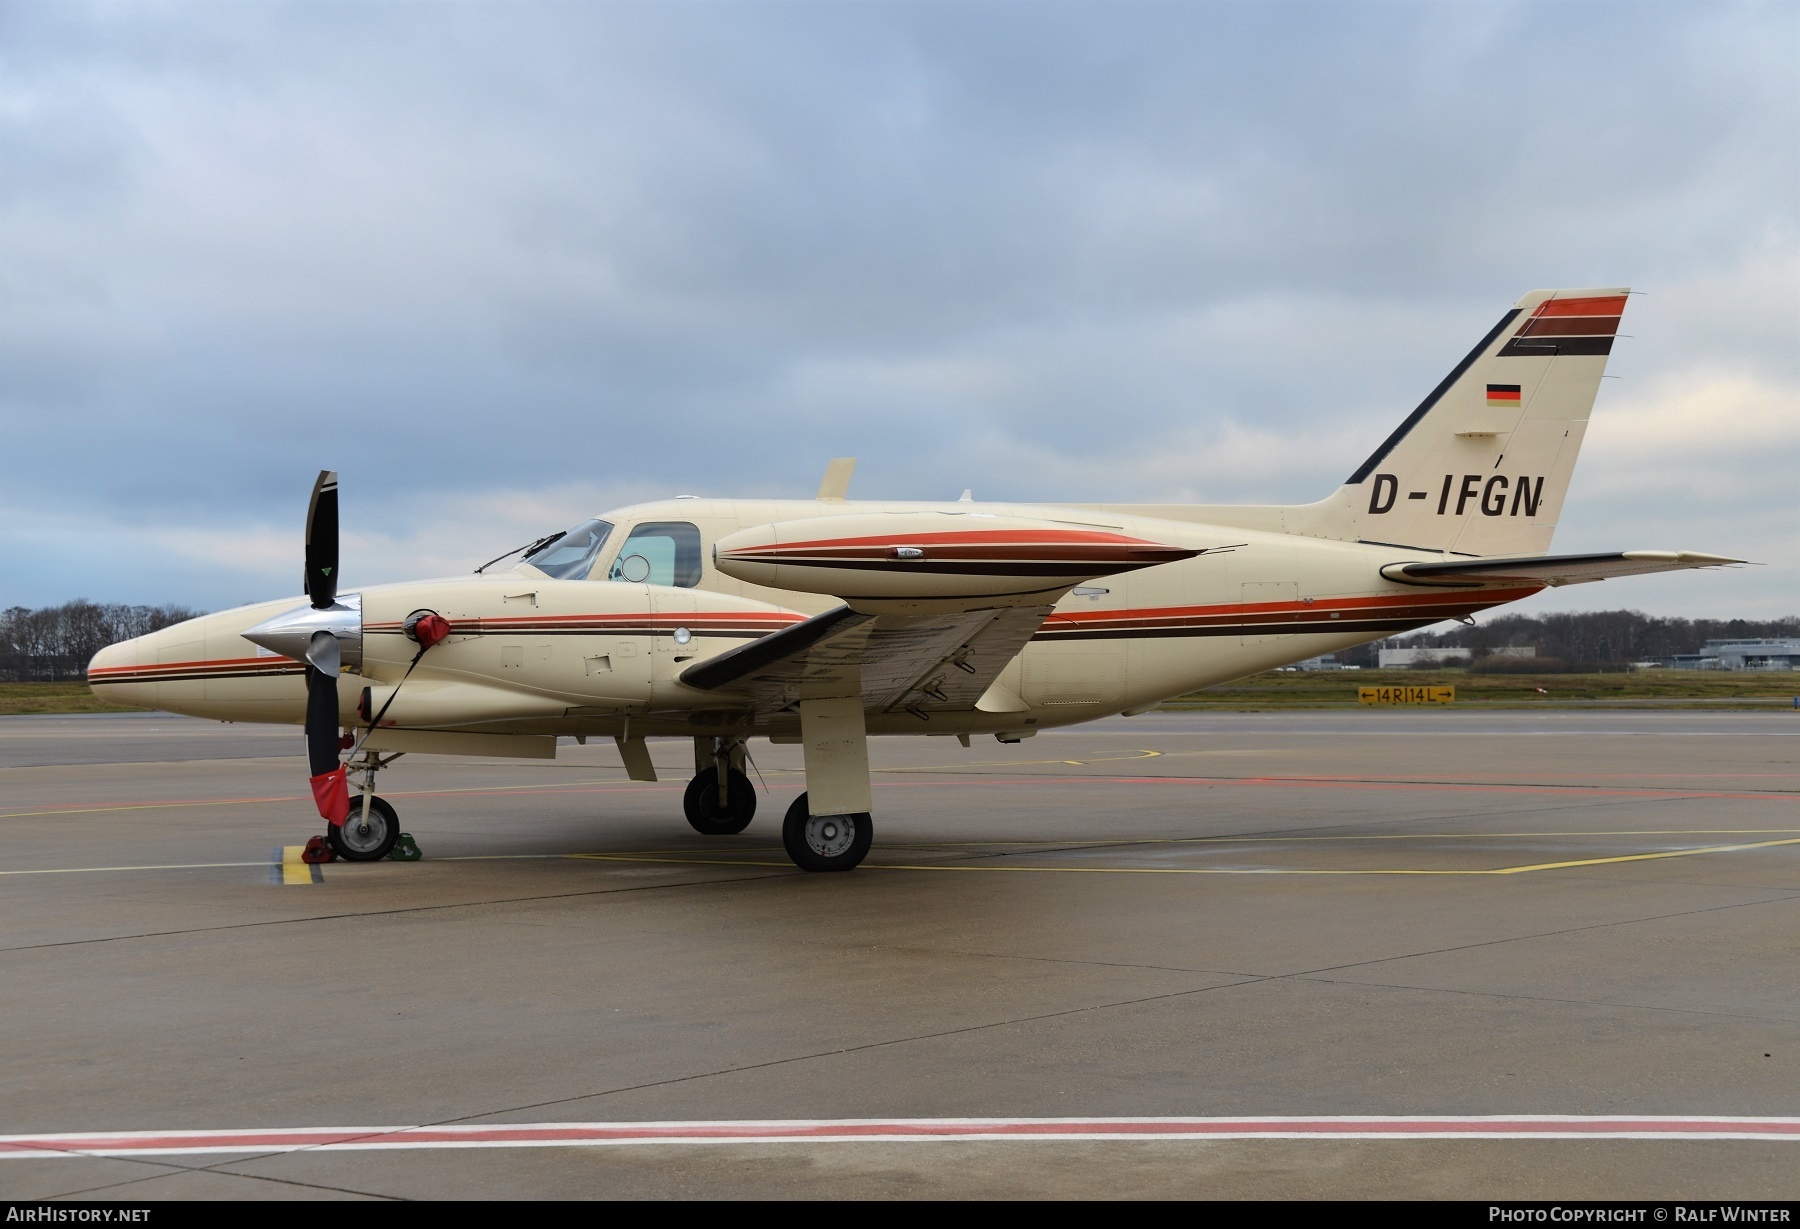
x=370, y=831
x=366, y=836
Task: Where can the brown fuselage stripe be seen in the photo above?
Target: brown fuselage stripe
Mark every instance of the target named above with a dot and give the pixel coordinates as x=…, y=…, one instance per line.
x=1072, y=569
x=1029, y=552
x=1165, y=631
x=1552, y=347
x=188, y=672
x=1010, y=539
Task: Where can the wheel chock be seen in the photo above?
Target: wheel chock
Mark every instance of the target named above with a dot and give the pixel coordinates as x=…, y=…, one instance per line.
x=318, y=850
x=405, y=849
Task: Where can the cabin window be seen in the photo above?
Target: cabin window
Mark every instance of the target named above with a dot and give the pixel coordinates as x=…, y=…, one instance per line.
x=660, y=553
x=570, y=556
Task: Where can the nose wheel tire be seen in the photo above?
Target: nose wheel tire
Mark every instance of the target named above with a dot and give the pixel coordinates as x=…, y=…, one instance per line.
x=826, y=842
x=701, y=803
x=355, y=841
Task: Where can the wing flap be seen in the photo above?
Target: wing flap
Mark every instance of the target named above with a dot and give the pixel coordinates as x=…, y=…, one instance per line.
x=1552, y=570
x=922, y=663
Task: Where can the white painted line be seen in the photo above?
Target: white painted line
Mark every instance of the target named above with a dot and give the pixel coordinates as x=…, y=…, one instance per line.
x=892, y=1130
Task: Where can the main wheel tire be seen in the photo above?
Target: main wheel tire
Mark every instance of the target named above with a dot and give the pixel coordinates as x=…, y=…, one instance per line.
x=701, y=803
x=353, y=842
x=826, y=842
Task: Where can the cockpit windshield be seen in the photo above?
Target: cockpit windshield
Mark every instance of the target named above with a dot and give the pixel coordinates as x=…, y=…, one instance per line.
x=570, y=556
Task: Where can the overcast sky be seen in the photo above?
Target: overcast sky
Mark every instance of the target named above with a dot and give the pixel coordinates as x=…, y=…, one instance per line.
x=508, y=265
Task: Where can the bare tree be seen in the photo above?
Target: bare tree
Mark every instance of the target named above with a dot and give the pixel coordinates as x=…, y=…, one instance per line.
x=1600, y=637
x=57, y=642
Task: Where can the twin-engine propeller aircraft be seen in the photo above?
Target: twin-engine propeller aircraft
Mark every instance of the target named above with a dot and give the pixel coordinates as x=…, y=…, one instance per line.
x=825, y=621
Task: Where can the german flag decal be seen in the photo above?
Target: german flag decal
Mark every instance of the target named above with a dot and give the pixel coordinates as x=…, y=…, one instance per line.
x=1503, y=396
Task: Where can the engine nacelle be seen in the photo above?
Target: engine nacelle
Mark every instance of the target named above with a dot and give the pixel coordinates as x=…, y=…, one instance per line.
x=933, y=555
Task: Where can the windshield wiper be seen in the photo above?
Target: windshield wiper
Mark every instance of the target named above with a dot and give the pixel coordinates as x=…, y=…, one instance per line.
x=530, y=549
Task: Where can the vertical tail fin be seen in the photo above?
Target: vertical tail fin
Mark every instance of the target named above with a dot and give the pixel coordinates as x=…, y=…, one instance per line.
x=1481, y=466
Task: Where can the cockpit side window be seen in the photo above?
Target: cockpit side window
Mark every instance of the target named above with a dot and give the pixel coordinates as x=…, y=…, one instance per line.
x=570, y=556
x=660, y=553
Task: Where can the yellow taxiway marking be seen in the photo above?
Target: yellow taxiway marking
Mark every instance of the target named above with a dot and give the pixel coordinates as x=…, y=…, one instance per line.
x=1642, y=857
x=295, y=870
x=1210, y=870
x=1352, y=836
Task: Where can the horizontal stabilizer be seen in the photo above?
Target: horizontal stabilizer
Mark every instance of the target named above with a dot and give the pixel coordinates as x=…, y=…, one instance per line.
x=1550, y=570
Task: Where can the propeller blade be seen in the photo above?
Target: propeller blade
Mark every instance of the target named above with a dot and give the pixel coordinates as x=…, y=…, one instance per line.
x=324, y=654
x=321, y=721
x=322, y=541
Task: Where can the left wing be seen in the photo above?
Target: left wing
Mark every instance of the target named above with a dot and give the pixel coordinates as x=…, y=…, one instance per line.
x=917, y=663
x=937, y=604
x=1550, y=570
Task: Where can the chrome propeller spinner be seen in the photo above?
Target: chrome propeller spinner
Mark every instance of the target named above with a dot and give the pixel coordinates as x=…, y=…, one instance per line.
x=326, y=640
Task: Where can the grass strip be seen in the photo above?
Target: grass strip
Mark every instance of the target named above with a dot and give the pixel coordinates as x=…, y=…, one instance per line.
x=1680, y=689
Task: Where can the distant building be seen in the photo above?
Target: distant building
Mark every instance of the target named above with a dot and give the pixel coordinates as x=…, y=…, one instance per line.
x=1400, y=659
x=1749, y=655
x=1734, y=655
x=1327, y=661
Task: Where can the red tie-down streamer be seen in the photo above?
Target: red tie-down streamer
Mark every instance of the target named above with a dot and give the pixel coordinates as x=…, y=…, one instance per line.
x=331, y=790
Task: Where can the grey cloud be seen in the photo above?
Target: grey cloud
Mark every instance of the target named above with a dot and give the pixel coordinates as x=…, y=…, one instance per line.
x=705, y=246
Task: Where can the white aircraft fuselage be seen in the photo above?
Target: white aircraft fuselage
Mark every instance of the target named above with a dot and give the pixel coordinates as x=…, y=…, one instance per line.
x=1253, y=601
x=828, y=620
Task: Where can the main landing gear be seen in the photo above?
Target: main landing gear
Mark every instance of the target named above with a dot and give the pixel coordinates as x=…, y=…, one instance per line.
x=828, y=827
x=826, y=842
x=720, y=801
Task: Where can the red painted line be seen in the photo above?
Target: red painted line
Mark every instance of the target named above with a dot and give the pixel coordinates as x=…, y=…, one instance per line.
x=890, y=1130
x=983, y=537
x=1579, y=791
x=622, y=787
x=1328, y=783
x=1609, y=305
x=1321, y=606
x=58, y=807
x=1549, y=777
